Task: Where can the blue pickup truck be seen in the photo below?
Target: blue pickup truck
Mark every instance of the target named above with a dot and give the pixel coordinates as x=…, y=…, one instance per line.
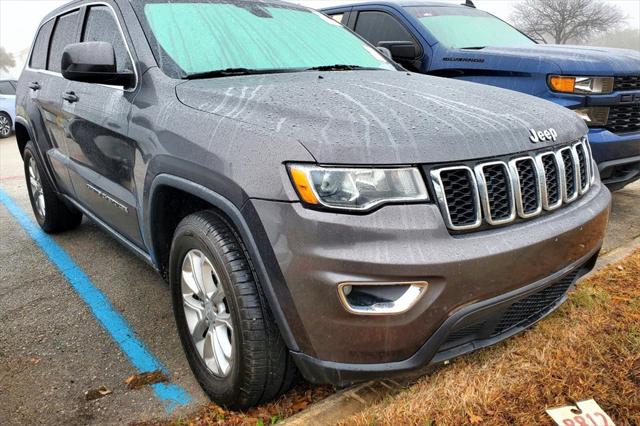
x=459, y=41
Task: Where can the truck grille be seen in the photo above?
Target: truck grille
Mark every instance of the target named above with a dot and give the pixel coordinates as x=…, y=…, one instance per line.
x=500, y=192
x=624, y=118
x=626, y=82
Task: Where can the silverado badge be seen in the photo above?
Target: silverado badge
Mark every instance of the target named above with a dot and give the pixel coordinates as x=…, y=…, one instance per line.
x=544, y=135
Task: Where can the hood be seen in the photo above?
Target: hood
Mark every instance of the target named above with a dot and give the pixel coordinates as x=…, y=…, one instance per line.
x=384, y=117
x=549, y=58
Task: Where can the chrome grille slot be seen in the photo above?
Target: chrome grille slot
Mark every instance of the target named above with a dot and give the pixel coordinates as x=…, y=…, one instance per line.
x=457, y=193
x=499, y=192
x=571, y=174
x=552, y=180
x=584, y=166
x=527, y=188
x=496, y=192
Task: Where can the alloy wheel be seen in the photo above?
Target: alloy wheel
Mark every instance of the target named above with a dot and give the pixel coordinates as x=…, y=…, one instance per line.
x=36, y=187
x=5, y=126
x=207, y=313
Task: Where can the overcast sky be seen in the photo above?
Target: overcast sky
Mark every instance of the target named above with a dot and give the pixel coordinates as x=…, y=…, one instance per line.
x=19, y=19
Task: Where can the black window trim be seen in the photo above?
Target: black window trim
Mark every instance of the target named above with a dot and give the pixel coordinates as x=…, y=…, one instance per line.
x=82, y=10
x=56, y=20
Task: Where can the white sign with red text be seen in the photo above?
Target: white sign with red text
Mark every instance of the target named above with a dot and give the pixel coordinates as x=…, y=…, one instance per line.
x=584, y=413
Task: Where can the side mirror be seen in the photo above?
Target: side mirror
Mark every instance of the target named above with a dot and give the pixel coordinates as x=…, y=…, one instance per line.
x=401, y=50
x=93, y=62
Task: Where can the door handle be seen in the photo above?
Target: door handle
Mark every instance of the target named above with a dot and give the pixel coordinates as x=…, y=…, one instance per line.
x=34, y=85
x=70, y=97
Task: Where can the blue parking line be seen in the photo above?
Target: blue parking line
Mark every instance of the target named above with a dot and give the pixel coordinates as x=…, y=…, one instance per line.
x=142, y=359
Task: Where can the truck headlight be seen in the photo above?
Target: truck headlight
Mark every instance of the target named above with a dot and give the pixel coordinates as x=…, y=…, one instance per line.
x=357, y=189
x=581, y=85
x=594, y=116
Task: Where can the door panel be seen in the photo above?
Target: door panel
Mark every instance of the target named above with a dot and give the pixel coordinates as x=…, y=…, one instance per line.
x=102, y=157
x=44, y=87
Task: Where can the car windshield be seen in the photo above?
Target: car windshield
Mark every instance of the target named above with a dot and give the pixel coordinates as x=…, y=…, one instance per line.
x=465, y=27
x=217, y=38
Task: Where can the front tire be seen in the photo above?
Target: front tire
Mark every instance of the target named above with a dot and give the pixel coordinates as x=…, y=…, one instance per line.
x=52, y=214
x=227, y=331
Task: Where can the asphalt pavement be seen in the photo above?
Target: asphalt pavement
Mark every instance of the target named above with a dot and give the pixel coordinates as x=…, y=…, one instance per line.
x=54, y=347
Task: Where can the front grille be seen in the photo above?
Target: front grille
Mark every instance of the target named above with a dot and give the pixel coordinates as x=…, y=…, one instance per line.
x=626, y=82
x=624, y=118
x=499, y=192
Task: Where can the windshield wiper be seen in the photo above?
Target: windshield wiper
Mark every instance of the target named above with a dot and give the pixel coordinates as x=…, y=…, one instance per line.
x=474, y=47
x=340, y=67
x=228, y=72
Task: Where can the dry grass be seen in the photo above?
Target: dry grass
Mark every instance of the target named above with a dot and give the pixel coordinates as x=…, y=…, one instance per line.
x=589, y=348
x=294, y=401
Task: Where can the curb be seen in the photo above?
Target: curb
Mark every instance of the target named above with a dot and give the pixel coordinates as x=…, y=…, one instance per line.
x=356, y=398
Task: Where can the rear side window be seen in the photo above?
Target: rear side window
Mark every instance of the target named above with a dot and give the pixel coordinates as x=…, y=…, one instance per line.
x=380, y=26
x=101, y=25
x=64, y=33
x=6, y=88
x=39, y=55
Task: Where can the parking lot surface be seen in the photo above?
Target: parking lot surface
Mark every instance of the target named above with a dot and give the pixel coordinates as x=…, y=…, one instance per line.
x=53, y=347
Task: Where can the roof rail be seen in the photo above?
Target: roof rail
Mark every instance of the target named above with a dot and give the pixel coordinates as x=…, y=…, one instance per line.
x=469, y=3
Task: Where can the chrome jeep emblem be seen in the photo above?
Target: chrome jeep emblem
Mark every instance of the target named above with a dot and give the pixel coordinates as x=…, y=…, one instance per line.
x=543, y=135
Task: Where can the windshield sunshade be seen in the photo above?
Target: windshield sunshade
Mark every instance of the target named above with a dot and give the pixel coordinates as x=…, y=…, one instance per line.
x=200, y=37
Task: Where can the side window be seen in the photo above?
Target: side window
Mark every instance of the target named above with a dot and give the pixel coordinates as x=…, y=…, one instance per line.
x=337, y=17
x=64, y=33
x=101, y=25
x=6, y=88
x=380, y=26
x=39, y=55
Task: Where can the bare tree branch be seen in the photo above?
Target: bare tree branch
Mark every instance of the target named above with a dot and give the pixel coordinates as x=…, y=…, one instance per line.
x=564, y=21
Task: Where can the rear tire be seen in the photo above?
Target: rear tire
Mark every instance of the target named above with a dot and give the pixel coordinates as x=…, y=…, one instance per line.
x=52, y=214
x=257, y=367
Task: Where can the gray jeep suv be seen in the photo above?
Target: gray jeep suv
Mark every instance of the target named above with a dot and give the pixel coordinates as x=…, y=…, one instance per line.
x=313, y=207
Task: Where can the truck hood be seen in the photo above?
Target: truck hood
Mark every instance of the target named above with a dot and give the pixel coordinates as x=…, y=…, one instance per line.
x=548, y=58
x=383, y=117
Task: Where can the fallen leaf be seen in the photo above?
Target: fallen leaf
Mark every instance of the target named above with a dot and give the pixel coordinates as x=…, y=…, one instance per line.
x=299, y=406
x=143, y=379
x=35, y=360
x=92, y=394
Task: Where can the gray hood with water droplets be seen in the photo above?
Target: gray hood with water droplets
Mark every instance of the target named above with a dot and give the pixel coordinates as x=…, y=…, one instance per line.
x=384, y=117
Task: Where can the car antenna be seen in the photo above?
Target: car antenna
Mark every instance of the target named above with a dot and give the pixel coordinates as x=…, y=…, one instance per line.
x=469, y=3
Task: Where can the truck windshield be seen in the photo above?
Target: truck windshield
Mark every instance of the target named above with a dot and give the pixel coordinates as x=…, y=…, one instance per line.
x=219, y=38
x=465, y=27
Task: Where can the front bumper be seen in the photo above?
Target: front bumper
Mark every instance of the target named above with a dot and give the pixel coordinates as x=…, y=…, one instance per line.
x=618, y=157
x=467, y=274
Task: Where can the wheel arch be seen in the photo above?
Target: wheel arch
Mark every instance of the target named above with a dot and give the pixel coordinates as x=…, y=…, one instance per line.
x=161, y=220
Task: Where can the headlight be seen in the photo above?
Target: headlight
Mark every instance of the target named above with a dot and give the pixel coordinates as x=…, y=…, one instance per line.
x=357, y=189
x=581, y=85
x=594, y=116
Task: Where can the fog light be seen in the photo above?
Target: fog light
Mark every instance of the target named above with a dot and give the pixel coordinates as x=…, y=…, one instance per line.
x=594, y=116
x=380, y=298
